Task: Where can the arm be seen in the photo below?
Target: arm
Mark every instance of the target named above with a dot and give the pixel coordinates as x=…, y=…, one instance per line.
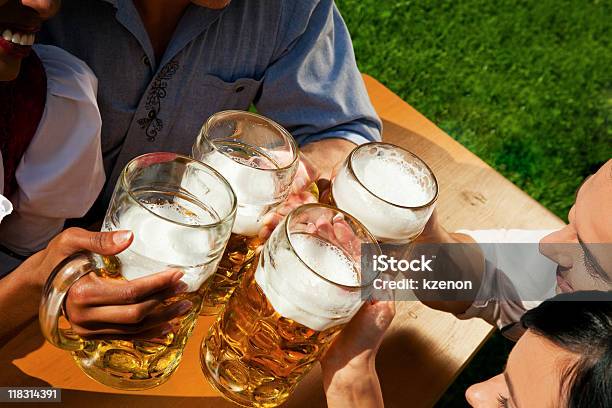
x=19, y=297
x=314, y=89
x=461, y=262
x=132, y=303
x=20, y=290
x=505, y=266
x=349, y=373
x=327, y=154
x=313, y=86
x=354, y=386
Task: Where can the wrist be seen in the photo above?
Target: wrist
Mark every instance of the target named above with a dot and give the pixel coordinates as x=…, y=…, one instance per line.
x=351, y=383
x=345, y=372
x=435, y=234
x=327, y=153
x=31, y=273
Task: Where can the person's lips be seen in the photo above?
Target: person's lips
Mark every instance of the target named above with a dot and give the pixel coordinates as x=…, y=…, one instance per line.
x=17, y=42
x=563, y=283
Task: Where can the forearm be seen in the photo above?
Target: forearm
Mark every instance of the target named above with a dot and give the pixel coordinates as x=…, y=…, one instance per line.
x=20, y=293
x=326, y=154
x=458, y=259
x=353, y=386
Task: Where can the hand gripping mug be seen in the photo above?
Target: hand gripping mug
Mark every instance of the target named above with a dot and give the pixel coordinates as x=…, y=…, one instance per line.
x=284, y=315
x=181, y=213
x=259, y=159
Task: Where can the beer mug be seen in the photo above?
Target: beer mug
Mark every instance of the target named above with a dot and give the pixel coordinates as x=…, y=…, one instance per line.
x=389, y=189
x=284, y=315
x=181, y=213
x=259, y=159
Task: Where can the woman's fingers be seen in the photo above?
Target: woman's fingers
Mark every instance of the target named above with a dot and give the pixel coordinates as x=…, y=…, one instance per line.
x=140, y=320
x=303, y=191
x=94, y=290
x=276, y=216
x=347, y=236
x=124, y=314
x=76, y=239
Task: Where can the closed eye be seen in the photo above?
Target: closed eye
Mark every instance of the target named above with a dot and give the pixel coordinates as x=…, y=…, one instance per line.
x=591, y=265
x=502, y=401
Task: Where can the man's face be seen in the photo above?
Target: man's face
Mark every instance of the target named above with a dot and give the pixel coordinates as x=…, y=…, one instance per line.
x=212, y=4
x=20, y=20
x=533, y=377
x=583, y=247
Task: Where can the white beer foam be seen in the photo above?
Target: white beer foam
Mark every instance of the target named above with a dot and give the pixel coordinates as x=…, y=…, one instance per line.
x=6, y=208
x=255, y=189
x=297, y=293
x=159, y=244
x=393, y=180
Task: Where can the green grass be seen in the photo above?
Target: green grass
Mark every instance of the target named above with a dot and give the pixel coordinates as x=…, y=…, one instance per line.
x=525, y=85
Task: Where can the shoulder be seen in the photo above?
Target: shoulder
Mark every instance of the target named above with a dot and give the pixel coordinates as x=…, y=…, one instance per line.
x=67, y=76
x=292, y=12
x=297, y=18
x=273, y=6
x=304, y=7
x=71, y=110
x=301, y=12
x=65, y=153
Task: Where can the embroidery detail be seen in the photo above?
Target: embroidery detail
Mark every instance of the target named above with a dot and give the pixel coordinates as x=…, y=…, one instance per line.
x=152, y=124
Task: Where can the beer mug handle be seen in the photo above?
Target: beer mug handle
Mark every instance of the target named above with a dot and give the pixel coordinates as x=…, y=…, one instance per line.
x=56, y=288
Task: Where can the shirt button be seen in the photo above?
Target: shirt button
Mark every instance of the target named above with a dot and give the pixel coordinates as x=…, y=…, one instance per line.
x=145, y=60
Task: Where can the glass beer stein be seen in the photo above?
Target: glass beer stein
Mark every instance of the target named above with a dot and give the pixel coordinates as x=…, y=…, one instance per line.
x=389, y=189
x=283, y=316
x=181, y=213
x=259, y=159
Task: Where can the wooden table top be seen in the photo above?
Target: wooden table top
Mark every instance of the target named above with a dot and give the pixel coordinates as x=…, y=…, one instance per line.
x=423, y=351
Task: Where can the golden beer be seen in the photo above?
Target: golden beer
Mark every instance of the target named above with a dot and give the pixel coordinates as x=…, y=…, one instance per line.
x=240, y=255
x=286, y=312
x=180, y=212
x=259, y=159
x=259, y=352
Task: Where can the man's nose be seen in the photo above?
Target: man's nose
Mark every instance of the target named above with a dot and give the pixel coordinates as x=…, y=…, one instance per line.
x=560, y=246
x=45, y=8
x=486, y=394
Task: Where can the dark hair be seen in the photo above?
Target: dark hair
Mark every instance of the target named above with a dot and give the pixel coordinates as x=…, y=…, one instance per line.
x=580, y=322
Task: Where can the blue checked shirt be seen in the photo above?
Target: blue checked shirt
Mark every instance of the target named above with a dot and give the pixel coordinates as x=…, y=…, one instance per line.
x=292, y=59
